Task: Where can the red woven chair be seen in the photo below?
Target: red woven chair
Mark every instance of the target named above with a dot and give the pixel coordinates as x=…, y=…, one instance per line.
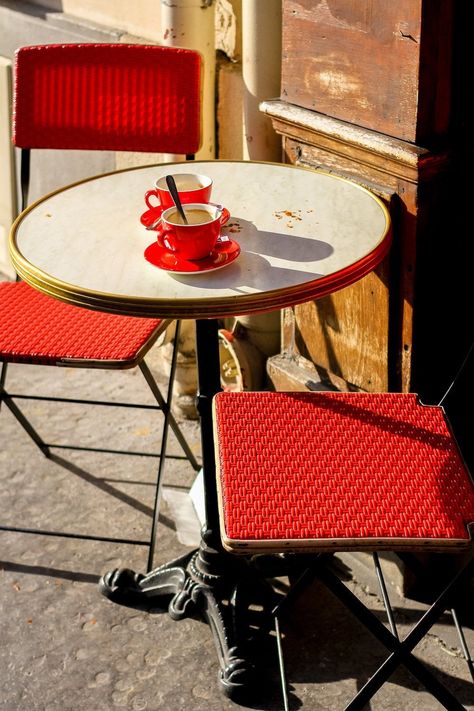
x=95, y=97
x=321, y=472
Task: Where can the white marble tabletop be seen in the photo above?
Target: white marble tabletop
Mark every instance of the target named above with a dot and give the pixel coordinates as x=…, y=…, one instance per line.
x=302, y=234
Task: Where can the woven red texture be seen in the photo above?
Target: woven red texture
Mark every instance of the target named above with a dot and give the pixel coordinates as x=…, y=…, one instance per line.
x=35, y=328
x=108, y=97
x=332, y=466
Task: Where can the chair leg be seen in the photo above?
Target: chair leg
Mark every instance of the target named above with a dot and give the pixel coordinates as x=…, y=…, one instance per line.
x=172, y=422
x=300, y=583
x=3, y=376
x=401, y=652
x=385, y=597
x=166, y=408
x=419, y=571
x=24, y=422
x=463, y=643
x=393, y=628
x=281, y=664
x=169, y=421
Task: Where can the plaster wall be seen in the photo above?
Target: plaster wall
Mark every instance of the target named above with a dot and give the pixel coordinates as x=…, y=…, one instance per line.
x=143, y=18
x=140, y=17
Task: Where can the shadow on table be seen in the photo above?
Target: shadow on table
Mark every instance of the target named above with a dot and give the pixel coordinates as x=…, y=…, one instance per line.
x=253, y=269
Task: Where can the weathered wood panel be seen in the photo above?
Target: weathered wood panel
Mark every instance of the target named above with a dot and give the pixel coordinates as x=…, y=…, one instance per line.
x=382, y=65
x=347, y=333
x=364, y=336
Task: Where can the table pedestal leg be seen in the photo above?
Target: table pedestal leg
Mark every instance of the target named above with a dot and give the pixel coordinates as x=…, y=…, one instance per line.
x=221, y=587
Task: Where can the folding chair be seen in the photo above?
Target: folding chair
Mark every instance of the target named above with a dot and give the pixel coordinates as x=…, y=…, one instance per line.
x=96, y=97
x=320, y=472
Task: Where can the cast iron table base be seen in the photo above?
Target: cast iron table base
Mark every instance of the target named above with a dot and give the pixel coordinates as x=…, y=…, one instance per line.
x=226, y=591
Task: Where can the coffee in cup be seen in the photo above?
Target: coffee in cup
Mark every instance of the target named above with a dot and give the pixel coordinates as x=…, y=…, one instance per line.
x=194, y=216
x=192, y=188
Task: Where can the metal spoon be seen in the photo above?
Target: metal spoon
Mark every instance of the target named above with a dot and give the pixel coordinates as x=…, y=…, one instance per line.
x=154, y=224
x=175, y=195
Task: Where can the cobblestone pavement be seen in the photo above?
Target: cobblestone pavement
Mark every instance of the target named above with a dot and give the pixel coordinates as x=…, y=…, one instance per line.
x=66, y=647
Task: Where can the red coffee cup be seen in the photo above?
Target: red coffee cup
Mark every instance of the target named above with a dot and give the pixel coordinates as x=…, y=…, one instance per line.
x=197, y=239
x=191, y=188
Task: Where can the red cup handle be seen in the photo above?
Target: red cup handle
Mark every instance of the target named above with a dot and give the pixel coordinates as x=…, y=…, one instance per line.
x=161, y=233
x=224, y=216
x=148, y=195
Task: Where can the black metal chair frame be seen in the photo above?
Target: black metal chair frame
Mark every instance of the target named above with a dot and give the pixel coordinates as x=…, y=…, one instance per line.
x=163, y=404
x=400, y=651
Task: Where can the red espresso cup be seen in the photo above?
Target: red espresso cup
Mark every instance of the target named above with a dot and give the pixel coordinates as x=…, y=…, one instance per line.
x=191, y=188
x=197, y=239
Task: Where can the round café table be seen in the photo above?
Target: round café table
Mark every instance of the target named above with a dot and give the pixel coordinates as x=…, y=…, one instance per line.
x=302, y=234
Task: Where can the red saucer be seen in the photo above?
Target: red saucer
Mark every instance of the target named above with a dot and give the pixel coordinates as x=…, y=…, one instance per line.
x=225, y=252
x=150, y=216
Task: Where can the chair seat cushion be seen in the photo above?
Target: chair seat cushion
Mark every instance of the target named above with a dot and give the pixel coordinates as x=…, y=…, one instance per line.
x=35, y=328
x=338, y=471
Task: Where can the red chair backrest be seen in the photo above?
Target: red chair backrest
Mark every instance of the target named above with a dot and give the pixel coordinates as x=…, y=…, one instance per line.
x=108, y=97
